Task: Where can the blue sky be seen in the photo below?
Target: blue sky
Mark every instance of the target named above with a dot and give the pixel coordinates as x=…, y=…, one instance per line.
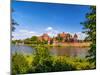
x=37, y=18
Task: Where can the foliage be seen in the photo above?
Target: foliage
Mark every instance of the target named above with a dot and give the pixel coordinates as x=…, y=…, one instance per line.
x=13, y=22
x=19, y=64
x=42, y=61
x=34, y=38
x=61, y=64
x=16, y=41
x=13, y=42
x=71, y=63
x=59, y=38
x=90, y=30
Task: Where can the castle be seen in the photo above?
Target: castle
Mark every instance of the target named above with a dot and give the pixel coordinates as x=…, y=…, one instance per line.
x=61, y=37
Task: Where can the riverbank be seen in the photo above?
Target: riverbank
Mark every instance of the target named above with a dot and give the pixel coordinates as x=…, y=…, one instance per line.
x=75, y=44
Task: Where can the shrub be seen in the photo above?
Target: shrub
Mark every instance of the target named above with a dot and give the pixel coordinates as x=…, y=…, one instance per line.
x=19, y=64
x=43, y=62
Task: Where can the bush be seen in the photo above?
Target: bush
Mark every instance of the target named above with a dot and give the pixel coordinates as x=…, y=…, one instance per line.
x=62, y=66
x=43, y=62
x=19, y=64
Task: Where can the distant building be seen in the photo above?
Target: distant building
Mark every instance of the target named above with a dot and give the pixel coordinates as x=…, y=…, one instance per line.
x=44, y=37
x=40, y=38
x=63, y=36
x=75, y=38
x=66, y=37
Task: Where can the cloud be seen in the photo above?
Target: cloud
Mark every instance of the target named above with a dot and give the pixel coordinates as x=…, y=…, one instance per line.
x=23, y=33
x=23, y=30
x=51, y=31
x=27, y=32
x=49, y=28
x=81, y=36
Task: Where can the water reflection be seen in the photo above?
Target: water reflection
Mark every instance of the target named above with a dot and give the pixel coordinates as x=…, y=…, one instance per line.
x=58, y=51
x=69, y=51
x=21, y=49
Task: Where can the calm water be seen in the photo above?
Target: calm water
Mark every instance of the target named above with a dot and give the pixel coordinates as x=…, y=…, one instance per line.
x=68, y=51
x=59, y=51
x=21, y=49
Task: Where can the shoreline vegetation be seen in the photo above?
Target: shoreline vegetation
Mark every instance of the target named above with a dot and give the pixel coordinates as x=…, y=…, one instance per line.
x=79, y=45
x=41, y=61
x=76, y=44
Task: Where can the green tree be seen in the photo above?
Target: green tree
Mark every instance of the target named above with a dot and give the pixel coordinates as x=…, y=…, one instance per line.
x=59, y=38
x=42, y=60
x=90, y=30
x=27, y=41
x=13, y=22
x=34, y=38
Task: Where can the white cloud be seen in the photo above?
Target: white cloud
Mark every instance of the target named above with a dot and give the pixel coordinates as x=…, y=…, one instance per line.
x=23, y=30
x=51, y=31
x=49, y=28
x=31, y=32
x=81, y=36
x=23, y=33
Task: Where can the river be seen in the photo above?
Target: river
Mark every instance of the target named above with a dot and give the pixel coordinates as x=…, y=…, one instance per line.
x=58, y=51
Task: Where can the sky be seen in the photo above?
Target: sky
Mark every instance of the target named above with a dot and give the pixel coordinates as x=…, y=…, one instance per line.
x=35, y=18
